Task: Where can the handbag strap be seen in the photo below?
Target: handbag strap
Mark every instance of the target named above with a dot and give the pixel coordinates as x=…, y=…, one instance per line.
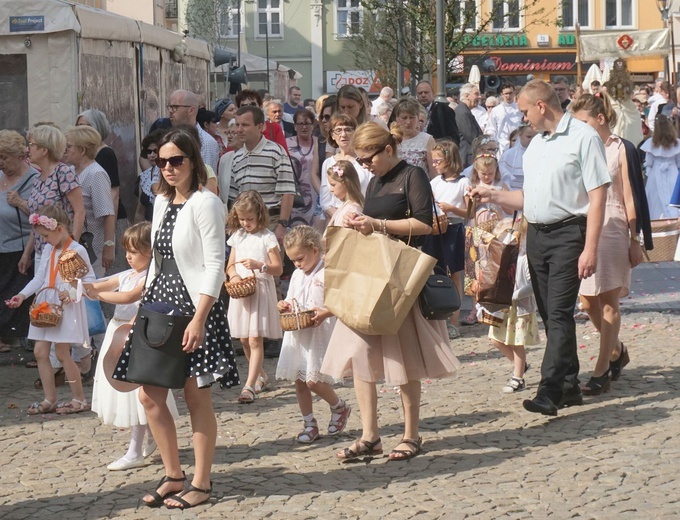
x=440, y=237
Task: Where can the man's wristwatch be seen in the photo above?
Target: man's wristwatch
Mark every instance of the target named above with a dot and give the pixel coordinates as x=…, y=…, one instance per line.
x=109, y=243
x=284, y=223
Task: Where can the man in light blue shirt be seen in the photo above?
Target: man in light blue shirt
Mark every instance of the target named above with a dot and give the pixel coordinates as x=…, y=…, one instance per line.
x=565, y=188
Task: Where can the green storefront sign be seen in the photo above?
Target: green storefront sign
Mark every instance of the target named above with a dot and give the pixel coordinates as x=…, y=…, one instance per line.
x=566, y=40
x=497, y=40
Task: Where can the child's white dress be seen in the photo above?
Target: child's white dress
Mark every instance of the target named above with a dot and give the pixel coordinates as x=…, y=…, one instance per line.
x=73, y=326
x=302, y=351
x=121, y=409
x=254, y=316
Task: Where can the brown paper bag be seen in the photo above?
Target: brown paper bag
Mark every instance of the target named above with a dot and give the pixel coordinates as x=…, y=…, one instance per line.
x=371, y=282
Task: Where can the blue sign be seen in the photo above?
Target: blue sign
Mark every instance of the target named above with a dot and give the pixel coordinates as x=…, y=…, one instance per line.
x=26, y=23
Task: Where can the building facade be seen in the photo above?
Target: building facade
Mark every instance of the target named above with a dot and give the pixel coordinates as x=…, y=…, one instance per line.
x=147, y=11
x=541, y=41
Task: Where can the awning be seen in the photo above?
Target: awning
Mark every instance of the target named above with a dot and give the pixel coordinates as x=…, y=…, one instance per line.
x=256, y=64
x=625, y=44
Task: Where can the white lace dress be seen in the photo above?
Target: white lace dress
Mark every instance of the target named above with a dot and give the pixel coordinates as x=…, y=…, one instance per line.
x=302, y=351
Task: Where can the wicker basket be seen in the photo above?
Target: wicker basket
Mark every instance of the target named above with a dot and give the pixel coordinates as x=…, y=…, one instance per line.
x=443, y=224
x=665, y=233
x=72, y=266
x=48, y=317
x=243, y=288
x=297, y=319
x=489, y=319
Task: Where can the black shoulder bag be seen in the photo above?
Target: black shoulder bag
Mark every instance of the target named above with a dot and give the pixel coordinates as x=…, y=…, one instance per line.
x=156, y=355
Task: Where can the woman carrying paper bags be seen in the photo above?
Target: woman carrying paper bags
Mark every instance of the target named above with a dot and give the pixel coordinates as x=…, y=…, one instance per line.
x=398, y=203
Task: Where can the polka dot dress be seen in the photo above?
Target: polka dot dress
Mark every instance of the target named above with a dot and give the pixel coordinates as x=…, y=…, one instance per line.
x=214, y=360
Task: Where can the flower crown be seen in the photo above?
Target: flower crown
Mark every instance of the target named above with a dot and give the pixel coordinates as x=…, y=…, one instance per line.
x=337, y=170
x=42, y=220
x=485, y=155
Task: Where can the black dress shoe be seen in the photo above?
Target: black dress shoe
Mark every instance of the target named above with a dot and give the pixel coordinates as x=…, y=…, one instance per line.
x=540, y=404
x=573, y=397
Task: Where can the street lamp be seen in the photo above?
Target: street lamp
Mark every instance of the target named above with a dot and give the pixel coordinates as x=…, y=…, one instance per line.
x=664, y=7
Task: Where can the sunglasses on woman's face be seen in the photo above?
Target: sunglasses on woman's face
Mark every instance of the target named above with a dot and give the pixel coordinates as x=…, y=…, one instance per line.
x=175, y=161
x=149, y=151
x=367, y=161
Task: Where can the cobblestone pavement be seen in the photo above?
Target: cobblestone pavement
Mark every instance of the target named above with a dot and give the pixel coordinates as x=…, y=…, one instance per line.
x=484, y=456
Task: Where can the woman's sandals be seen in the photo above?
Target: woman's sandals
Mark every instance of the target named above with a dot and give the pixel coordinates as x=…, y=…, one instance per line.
x=42, y=407
x=190, y=489
x=415, y=448
x=247, y=396
x=157, y=498
x=361, y=448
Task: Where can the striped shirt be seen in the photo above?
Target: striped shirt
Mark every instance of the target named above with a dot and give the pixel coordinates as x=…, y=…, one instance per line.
x=265, y=169
x=210, y=150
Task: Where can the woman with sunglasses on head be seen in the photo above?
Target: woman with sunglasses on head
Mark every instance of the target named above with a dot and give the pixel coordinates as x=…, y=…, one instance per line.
x=188, y=233
x=340, y=132
x=398, y=203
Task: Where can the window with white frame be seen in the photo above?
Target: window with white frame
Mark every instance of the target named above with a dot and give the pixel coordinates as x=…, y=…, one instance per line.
x=269, y=19
x=575, y=11
x=348, y=15
x=229, y=19
x=619, y=13
x=464, y=14
x=506, y=14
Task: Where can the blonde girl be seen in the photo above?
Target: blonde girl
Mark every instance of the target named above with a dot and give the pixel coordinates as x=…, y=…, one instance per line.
x=254, y=251
x=123, y=409
x=449, y=188
x=486, y=173
x=520, y=325
x=303, y=351
x=344, y=184
x=52, y=224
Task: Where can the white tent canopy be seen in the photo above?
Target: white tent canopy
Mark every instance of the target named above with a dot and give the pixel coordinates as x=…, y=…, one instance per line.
x=257, y=64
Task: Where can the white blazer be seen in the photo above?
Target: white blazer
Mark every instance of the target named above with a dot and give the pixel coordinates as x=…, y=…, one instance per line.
x=197, y=242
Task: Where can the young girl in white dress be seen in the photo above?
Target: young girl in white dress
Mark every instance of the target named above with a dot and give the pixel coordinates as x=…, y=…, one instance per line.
x=52, y=224
x=344, y=184
x=254, y=251
x=123, y=409
x=303, y=350
x=485, y=172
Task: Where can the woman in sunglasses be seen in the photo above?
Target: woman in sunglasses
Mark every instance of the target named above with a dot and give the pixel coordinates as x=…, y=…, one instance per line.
x=398, y=203
x=188, y=233
x=340, y=132
x=147, y=182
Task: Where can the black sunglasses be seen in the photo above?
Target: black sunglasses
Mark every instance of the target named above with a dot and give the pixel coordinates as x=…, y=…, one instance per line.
x=147, y=151
x=175, y=161
x=369, y=160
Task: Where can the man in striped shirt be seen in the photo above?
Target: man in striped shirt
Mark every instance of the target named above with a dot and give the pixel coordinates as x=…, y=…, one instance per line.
x=263, y=166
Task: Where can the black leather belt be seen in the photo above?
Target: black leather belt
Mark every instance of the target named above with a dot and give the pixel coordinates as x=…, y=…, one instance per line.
x=169, y=266
x=547, y=228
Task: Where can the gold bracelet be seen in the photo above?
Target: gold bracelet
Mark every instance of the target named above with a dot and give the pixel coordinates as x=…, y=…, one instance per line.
x=384, y=226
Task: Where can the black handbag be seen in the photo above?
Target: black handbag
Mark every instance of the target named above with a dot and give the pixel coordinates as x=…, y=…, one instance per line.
x=156, y=355
x=439, y=299
x=86, y=239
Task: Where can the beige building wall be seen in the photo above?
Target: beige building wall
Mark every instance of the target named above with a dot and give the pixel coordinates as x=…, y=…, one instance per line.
x=147, y=11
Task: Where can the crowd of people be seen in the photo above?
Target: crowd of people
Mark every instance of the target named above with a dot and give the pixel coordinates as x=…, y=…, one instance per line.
x=248, y=189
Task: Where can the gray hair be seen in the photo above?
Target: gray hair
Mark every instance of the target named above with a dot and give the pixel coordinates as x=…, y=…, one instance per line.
x=271, y=102
x=96, y=120
x=466, y=90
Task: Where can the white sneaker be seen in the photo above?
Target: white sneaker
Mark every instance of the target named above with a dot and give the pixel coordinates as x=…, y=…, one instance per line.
x=122, y=464
x=149, y=447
